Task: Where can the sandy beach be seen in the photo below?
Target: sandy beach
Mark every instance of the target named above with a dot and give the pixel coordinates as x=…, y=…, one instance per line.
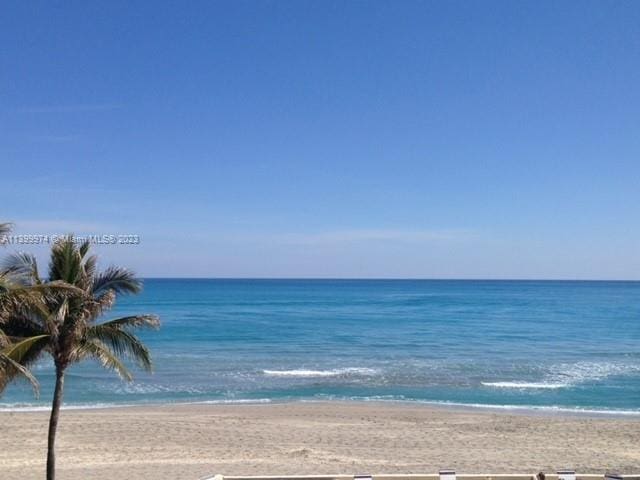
x=190, y=441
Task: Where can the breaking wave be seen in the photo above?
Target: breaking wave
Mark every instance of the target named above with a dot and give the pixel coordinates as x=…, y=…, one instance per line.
x=304, y=373
x=536, y=385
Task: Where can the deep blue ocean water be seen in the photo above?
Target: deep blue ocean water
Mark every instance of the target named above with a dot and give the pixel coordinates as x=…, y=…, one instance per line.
x=550, y=345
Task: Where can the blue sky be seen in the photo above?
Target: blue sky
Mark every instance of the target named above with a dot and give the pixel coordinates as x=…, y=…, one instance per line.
x=329, y=139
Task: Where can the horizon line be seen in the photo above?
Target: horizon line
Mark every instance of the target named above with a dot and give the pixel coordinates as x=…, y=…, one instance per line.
x=432, y=279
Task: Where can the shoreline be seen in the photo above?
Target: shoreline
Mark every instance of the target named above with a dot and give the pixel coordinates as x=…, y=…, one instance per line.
x=526, y=410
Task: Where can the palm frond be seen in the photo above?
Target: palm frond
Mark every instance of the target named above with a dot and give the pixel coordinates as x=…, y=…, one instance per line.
x=21, y=267
x=65, y=262
x=121, y=343
x=58, y=318
x=15, y=357
x=90, y=267
x=25, y=352
x=24, y=325
x=57, y=286
x=96, y=349
x=100, y=304
x=18, y=351
x=10, y=369
x=5, y=282
x=84, y=249
x=50, y=288
x=118, y=279
x=35, y=307
x=15, y=299
x=134, y=321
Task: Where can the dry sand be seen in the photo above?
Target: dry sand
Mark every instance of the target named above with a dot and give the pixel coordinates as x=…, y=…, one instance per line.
x=190, y=441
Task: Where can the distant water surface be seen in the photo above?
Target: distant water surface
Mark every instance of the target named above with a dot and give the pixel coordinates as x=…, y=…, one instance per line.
x=504, y=344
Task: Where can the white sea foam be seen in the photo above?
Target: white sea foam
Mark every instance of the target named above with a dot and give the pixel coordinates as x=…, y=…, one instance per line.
x=592, y=371
x=304, y=373
x=232, y=401
x=539, y=408
x=22, y=407
x=535, y=385
x=567, y=375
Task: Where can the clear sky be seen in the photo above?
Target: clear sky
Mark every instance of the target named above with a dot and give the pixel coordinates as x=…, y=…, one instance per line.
x=328, y=139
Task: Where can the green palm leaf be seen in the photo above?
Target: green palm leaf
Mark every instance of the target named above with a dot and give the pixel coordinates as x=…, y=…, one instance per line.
x=118, y=279
x=134, y=321
x=19, y=350
x=122, y=343
x=10, y=369
x=66, y=261
x=14, y=355
x=96, y=349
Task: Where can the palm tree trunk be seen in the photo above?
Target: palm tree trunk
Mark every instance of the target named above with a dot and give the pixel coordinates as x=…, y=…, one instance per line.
x=53, y=423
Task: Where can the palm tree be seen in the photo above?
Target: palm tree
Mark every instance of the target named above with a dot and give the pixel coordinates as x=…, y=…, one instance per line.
x=15, y=295
x=68, y=320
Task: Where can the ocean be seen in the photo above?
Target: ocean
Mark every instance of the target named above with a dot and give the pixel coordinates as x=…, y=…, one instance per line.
x=542, y=345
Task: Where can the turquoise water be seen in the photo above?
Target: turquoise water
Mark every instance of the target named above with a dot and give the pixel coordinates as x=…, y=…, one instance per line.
x=550, y=345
